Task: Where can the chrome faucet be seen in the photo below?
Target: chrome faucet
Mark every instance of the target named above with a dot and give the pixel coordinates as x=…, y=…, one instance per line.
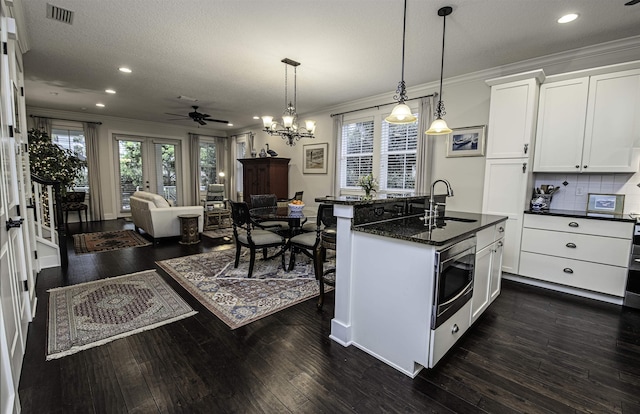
x=432, y=212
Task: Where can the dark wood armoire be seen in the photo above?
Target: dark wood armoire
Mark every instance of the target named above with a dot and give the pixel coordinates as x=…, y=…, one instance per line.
x=265, y=176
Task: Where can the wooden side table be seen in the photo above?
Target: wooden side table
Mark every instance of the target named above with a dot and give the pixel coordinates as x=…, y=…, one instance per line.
x=189, y=229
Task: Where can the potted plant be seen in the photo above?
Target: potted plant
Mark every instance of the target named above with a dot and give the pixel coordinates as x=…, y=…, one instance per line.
x=50, y=162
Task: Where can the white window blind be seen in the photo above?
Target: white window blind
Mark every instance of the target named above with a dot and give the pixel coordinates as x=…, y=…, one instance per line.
x=398, y=157
x=357, y=152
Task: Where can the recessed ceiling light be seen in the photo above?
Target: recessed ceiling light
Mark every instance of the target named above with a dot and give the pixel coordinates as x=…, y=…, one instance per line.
x=110, y=91
x=256, y=117
x=568, y=18
x=229, y=124
x=125, y=70
x=100, y=105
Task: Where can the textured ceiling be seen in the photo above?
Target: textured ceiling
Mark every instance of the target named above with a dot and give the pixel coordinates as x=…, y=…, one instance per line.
x=226, y=53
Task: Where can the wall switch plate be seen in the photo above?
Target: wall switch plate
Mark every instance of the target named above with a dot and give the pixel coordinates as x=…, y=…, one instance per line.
x=579, y=191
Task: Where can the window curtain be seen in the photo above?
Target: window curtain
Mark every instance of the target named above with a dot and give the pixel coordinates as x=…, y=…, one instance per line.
x=93, y=165
x=337, y=138
x=424, y=148
x=43, y=124
x=194, y=168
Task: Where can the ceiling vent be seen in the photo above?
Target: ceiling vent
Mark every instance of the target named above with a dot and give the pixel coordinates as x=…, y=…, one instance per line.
x=59, y=14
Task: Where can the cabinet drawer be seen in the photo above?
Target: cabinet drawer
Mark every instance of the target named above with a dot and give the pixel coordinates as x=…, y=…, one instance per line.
x=610, y=280
x=485, y=237
x=620, y=229
x=606, y=250
x=443, y=338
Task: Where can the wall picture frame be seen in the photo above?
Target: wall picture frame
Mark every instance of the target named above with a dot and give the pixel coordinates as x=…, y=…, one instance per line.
x=605, y=203
x=314, y=158
x=466, y=142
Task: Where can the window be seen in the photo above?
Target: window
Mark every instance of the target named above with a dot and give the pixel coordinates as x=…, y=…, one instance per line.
x=73, y=140
x=357, y=152
x=208, y=164
x=372, y=145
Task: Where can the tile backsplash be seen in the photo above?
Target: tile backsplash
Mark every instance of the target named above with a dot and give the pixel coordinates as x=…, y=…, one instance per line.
x=573, y=196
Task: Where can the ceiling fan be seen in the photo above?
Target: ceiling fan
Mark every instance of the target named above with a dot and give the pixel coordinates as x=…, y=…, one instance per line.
x=632, y=2
x=198, y=117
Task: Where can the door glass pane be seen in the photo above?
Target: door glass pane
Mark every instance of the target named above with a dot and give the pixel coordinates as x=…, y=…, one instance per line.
x=130, y=163
x=241, y=151
x=208, y=165
x=166, y=174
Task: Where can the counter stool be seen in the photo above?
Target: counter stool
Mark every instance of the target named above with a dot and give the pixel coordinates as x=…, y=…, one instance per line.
x=327, y=241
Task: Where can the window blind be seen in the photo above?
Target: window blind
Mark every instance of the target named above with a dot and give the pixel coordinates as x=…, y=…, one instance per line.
x=398, y=157
x=357, y=152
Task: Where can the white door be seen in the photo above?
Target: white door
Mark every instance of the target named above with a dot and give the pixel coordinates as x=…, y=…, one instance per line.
x=148, y=164
x=14, y=306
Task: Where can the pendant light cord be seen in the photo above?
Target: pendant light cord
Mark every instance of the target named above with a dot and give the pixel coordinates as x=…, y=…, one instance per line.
x=444, y=25
x=404, y=31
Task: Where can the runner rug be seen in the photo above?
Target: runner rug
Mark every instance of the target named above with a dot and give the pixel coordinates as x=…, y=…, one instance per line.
x=89, y=314
x=107, y=240
x=236, y=299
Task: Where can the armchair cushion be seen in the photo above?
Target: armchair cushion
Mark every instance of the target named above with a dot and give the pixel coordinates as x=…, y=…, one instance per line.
x=153, y=214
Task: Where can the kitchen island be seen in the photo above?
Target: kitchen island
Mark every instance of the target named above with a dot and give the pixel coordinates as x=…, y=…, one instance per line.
x=385, y=281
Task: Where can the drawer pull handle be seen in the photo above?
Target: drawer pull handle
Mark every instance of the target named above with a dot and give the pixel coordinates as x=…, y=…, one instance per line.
x=500, y=229
x=455, y=329
x=574, y=224
x=567, y=270
x=500, y=244
x=571, y=245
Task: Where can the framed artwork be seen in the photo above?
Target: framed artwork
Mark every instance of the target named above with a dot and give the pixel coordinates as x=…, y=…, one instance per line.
x=315, y=158
x=466, y=142
x=605, y=203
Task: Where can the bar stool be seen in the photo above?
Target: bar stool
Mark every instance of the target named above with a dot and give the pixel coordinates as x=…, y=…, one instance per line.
x=327, y=241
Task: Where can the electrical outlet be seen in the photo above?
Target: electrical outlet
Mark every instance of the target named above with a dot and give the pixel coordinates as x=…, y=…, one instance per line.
x=579, y=191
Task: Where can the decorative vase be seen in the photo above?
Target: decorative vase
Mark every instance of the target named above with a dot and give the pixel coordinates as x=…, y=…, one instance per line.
x=367, y=194
x=263, y=153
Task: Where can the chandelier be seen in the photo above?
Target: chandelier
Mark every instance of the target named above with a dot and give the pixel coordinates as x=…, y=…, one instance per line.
x=289, y=129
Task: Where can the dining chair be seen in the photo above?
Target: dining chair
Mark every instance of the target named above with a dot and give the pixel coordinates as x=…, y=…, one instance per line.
x=252, y=235
x=74, y=201
x=269, y=200
x=315, y=244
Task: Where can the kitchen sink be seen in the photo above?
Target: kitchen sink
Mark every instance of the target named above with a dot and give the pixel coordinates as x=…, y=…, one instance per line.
x=460, y=219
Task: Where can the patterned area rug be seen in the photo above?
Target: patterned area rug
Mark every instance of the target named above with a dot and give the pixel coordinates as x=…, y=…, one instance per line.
x=107, y=240
x=90, y=314
x=236, y=299
x=225, y=233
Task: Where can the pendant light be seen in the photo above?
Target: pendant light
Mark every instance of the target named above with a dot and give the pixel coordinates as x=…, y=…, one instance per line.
x=439, y=126
x=401, y=113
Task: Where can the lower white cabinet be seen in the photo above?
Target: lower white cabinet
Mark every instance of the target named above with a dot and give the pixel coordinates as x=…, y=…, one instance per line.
x=488, y=270
x=587, y=254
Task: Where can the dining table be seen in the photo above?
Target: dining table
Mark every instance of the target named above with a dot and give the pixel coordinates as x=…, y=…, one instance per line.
x=294, y=218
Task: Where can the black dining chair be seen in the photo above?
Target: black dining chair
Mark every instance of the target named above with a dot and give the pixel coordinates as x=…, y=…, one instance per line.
x=74, y=201
x=269, y=200
x=315, y=244
x=252, y=235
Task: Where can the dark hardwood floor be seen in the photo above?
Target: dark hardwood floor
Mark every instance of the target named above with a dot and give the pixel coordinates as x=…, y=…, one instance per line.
x=533, y=351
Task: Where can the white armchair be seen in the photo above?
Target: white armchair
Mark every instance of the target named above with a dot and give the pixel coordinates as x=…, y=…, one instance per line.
x=153, y=214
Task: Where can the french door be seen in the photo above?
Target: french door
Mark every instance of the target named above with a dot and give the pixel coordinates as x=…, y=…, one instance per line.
x=148, y=164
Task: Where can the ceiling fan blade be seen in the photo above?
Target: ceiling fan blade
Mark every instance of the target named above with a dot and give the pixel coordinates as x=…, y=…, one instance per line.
x=632, y=2
x=200, y=121
x=216, y=120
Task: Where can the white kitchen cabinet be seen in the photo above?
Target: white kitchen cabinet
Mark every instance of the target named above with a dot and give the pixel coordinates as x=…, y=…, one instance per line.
x=589, y=124
x=505, y=194
x=512, y=115
x=488, y=269
x=510, y=145
x=586, y=254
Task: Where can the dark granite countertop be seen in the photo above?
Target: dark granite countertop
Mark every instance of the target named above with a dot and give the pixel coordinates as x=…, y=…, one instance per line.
x=582, y=214
x=360, y=200
x=456, y=226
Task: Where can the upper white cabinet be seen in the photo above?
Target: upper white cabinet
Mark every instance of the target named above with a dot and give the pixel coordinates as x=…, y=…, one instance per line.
x=589, y=124
x=512, y=116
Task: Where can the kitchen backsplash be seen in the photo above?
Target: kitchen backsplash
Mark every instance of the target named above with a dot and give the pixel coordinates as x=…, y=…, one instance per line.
x=573, y=195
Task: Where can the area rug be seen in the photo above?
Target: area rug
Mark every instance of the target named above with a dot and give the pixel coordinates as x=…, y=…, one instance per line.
x=236, y=299
x=89, y=314
x=225, y=233
x=107, y=240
